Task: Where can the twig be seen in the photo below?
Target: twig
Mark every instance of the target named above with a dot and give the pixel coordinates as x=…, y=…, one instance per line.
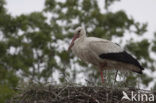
x=87, y=95
x=90, y=97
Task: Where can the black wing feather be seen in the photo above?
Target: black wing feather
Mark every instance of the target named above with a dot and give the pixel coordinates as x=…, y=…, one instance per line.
x=122, y=57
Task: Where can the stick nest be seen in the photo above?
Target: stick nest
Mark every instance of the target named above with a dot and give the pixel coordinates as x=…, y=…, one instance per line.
x=73, y=94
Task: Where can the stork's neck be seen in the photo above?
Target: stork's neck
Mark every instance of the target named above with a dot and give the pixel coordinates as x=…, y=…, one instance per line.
x=81, y=38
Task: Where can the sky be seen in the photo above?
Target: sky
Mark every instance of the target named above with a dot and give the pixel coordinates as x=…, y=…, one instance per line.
x=140, y=10
x=17, y=7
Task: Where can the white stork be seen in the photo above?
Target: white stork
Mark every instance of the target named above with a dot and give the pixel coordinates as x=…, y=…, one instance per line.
x=102, y=53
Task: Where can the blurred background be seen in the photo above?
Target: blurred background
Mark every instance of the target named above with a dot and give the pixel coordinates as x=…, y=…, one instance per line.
x=35, y=34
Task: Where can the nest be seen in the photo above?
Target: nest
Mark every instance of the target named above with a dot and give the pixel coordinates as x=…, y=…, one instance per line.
x=74, y=94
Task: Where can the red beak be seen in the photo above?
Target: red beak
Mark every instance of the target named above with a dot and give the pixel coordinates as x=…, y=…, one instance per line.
x=72, y=43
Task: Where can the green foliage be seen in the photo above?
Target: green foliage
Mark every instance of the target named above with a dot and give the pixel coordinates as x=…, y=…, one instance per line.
x=154, y=42
x=5, y=93
x=109, y=2
x=140, y=49
x=8, y=81
x=30, y=47
x=146, y=80
x=2, y=9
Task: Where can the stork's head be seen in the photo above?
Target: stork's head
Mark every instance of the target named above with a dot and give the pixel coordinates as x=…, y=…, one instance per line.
x=79, y=32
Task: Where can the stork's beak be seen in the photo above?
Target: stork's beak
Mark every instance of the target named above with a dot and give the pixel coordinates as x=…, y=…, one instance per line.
x=72, y=43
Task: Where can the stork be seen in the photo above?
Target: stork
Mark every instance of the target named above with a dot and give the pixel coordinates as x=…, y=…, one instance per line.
x=102, y=53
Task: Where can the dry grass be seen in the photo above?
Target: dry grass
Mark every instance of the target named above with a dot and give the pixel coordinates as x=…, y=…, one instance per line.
x=70, y=93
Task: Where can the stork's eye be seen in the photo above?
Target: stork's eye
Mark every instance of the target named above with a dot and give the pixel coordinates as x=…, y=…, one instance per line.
x=79, y=31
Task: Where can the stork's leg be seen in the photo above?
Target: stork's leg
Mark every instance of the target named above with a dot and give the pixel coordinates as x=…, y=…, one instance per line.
x=115, y=76
x=101, y=66
x=101, y=73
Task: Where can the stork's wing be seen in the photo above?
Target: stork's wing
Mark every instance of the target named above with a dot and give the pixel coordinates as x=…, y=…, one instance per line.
x=104, y=47
x=112, y=51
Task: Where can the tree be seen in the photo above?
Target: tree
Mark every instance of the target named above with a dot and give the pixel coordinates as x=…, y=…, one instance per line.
x=8, y=78
x=33, y=46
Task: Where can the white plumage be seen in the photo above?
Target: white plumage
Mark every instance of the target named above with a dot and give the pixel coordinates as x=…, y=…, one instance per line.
x=102, y=53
